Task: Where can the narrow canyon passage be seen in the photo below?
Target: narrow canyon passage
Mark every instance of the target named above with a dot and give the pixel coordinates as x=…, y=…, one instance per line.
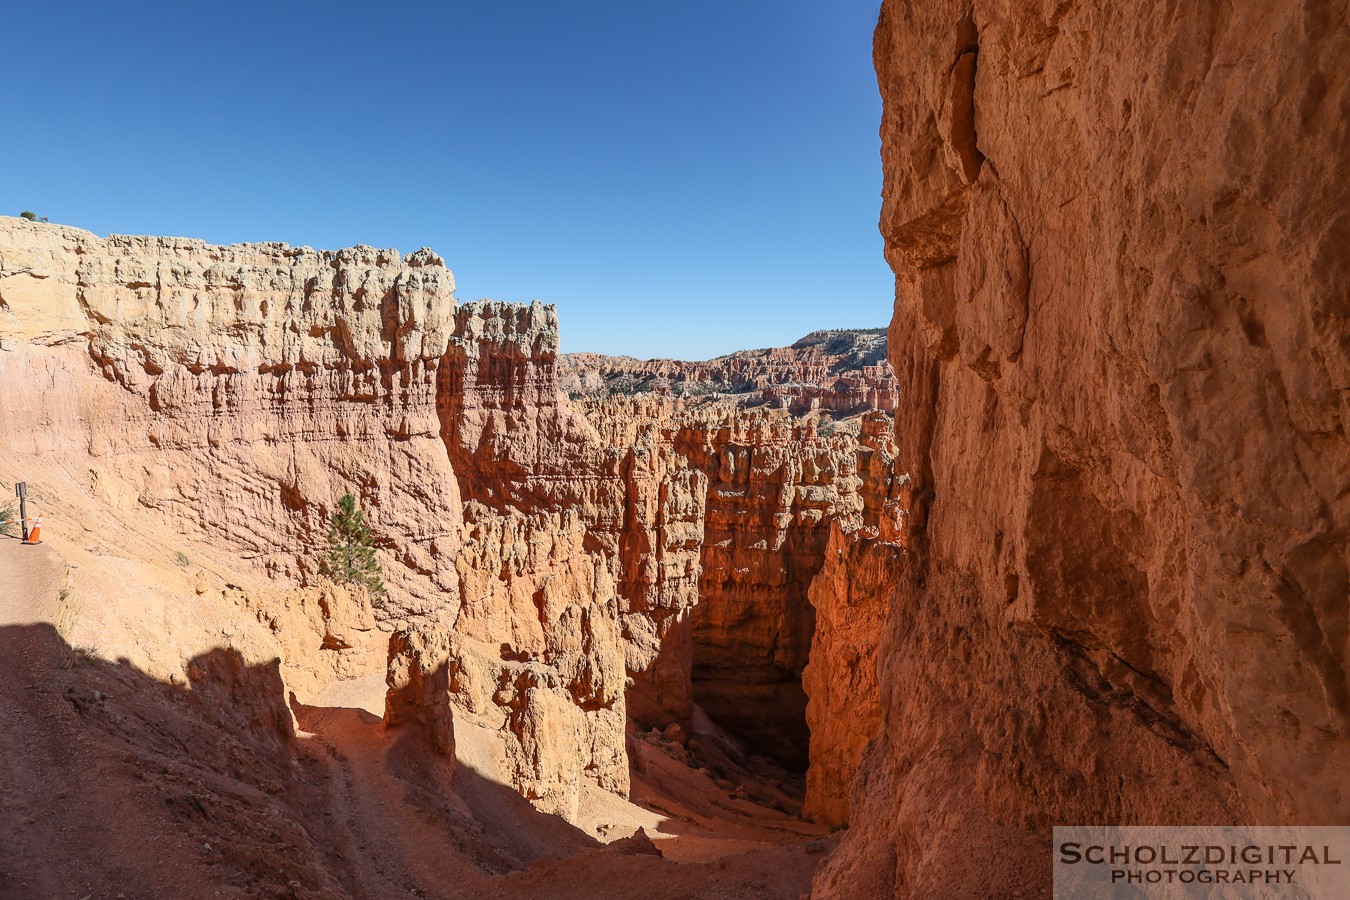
x=778, y=470
x=753, y=625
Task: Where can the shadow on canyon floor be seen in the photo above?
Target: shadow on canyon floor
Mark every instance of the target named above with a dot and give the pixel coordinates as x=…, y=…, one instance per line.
x=114, y=782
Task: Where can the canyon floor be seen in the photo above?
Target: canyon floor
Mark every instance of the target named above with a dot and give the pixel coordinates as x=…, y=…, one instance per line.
x=117, y=784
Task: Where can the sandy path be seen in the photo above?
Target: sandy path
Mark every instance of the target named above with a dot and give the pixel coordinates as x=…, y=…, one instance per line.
x=113, y=782
x=399, y=843
x=74, y=816
x=31, y=578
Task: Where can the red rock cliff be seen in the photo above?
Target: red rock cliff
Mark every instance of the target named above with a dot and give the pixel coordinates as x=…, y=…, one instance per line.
x=238, y=391
x=1119, y=236
x=233, y=393
x=843, y=372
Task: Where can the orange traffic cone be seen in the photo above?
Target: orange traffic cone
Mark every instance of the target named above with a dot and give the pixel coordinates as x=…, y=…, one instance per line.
x=35, y=535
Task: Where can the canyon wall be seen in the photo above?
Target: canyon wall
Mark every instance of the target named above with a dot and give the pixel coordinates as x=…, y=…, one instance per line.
x=554, y=569
x=237, y=392
x=232, y=394
x=863, y=565
x=775, y=488
x=783, y=445
x=1119, y=238
x=768, y=490
x=840, y=372
x=538, y=646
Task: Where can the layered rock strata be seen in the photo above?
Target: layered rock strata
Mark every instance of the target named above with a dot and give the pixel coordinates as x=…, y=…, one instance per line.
x=774, y=489
x=1120, y=326
x=739, y=632
x=234, y=393
x=837, y=372
x=237, y=392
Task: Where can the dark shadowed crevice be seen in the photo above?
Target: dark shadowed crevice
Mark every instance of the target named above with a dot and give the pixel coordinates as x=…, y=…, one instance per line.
x=962, y=135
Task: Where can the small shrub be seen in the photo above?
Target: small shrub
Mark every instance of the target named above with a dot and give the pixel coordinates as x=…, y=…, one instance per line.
x=83, y=655
x=7, y=519
x=182, y=559
x=351, y=551
x=32, y=216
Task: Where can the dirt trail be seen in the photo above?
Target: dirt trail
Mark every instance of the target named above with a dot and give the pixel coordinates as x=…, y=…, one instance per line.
x=372, y=811
x=393, y=806
x=114, y=781
x=31, y=579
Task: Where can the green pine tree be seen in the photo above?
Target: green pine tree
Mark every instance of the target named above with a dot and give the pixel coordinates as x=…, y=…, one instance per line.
x=351, y=550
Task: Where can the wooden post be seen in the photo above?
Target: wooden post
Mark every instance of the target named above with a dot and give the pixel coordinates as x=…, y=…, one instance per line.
x=21, y=489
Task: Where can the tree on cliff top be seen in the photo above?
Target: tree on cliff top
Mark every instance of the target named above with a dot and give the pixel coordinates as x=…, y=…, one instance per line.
x=32, y=216
x=351, y=550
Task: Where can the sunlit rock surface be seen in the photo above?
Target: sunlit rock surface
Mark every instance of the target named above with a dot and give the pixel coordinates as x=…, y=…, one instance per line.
x=1119, y=239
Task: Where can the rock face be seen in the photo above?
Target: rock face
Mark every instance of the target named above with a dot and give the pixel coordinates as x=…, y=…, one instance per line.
x=239, y=391
x=842, y=372
x=419, y=687
x=863, y=567
x=774, y=490
x=326, y=632
x=540, y=652
x=1120, y=329
x=235, y=393
x=743, y=526
x=661, y=545
x=538, y=638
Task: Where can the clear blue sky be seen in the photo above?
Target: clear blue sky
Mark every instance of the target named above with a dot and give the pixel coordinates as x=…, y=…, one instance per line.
x=681, y=179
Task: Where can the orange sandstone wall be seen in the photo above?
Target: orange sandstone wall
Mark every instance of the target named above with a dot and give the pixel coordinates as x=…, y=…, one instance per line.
x=864, y=564
x=1120, y=236
x=234, y=393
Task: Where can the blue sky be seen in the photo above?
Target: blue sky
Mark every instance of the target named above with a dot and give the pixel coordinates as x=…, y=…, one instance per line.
x=681, y=179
